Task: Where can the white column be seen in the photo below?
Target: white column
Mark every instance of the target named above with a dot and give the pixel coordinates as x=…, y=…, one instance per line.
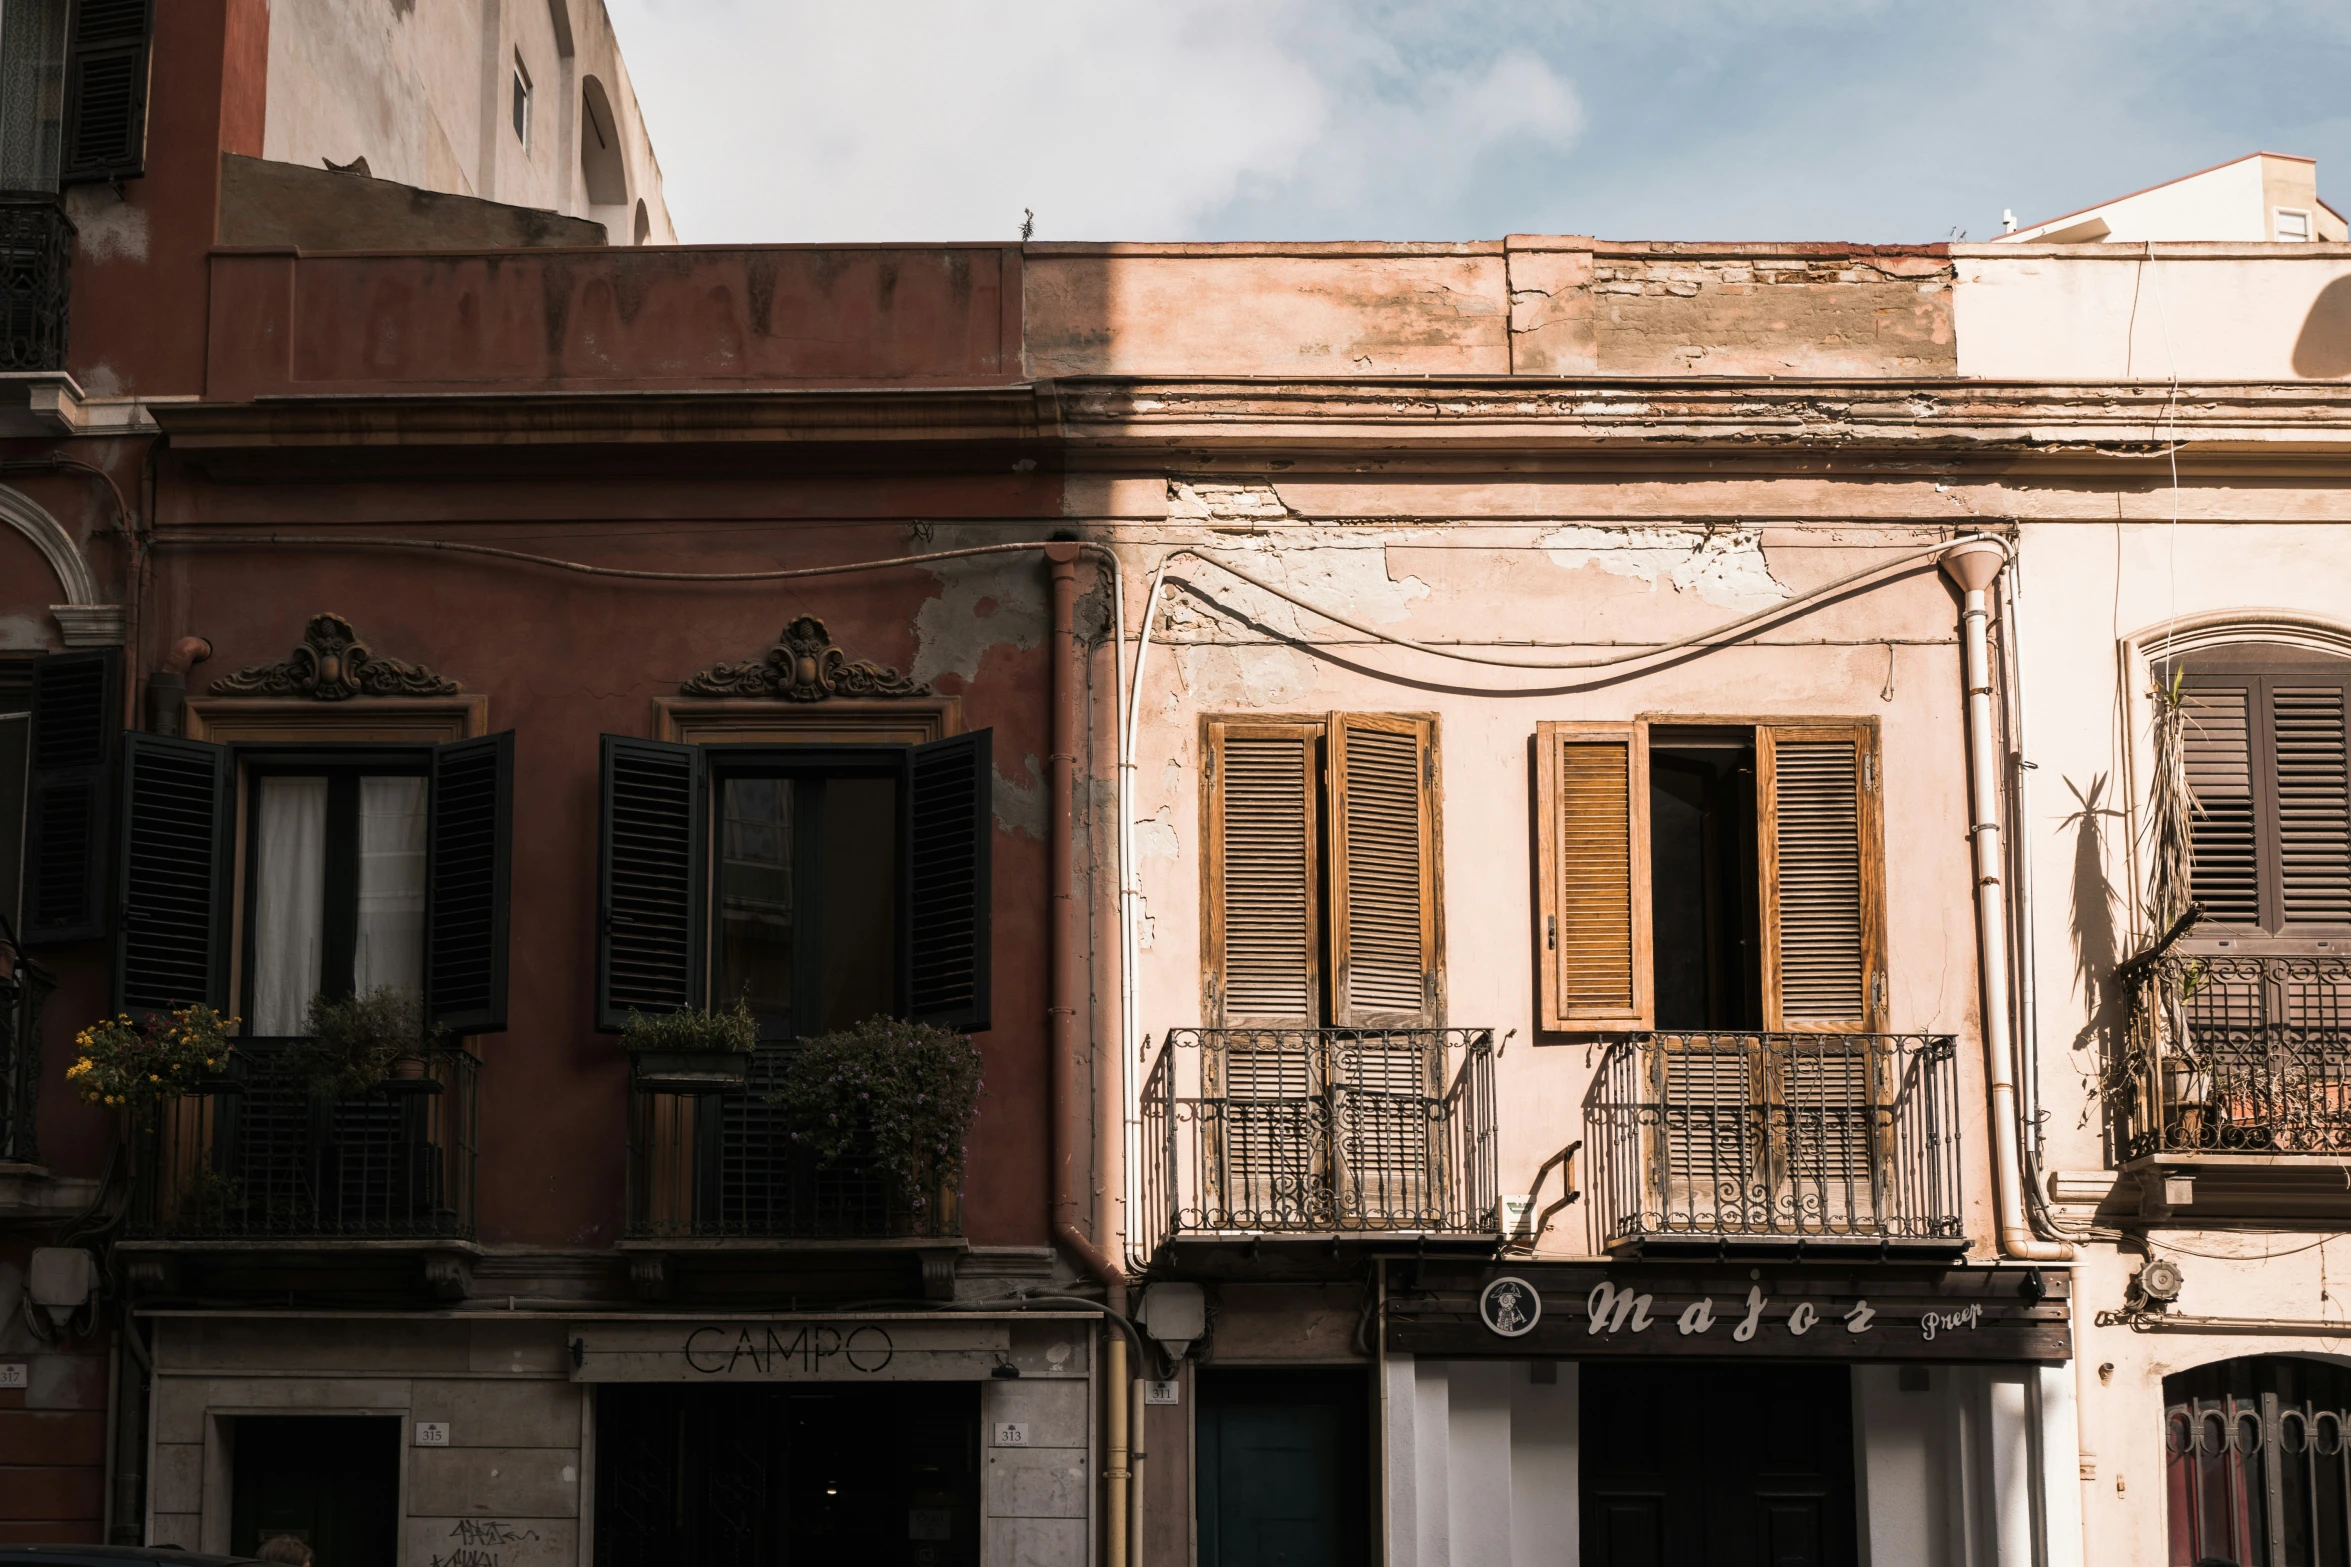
x=1403, y=1461
x=2013, y=1472
x=1478, y=1464
x=1546, y=1524
x=2061, y=1467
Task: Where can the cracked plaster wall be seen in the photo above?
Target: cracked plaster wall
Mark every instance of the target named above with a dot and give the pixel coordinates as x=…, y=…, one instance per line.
x=1725, y=567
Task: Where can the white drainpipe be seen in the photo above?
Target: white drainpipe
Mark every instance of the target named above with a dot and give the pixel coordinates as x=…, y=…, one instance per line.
x=1975, y=565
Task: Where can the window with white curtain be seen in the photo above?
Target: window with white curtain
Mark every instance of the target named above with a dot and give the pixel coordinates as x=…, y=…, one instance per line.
x=335, y=894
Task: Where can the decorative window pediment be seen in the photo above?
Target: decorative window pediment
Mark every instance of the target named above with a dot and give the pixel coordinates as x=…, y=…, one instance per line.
x=331, y=664
x=804, y=666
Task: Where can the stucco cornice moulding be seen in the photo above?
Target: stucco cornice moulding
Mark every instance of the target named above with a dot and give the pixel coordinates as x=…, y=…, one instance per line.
x=2021, y=418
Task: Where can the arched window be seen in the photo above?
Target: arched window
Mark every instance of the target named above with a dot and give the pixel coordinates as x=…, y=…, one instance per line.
x=2257, y=1462
x=603, y=174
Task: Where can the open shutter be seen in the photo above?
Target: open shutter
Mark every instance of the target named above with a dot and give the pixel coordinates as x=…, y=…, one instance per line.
x=77, y=723
x=1823, y=895
x=2313, y=802
x=1592, y=836
x=950, y=832
x=651, y=908
x=470, y=851
x=1263, y=923
x=1383, y=871
x=171, y=948
x=106, y=65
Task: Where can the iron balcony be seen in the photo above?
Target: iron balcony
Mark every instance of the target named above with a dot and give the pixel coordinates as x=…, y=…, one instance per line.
x=709, y=1163
x=1249, y=1133
x=2237, y=1054
x=36, y=253
x=265, y=1154
x=1775, y=1141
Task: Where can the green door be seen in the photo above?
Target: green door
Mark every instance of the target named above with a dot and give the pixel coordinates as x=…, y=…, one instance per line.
x=333, y=1480
x=1283, y=1477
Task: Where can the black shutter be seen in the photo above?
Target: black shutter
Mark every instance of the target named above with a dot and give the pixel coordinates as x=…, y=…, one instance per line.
x=470, y=851
x=172, y=947
x=106, y=90
x=949, y=831
x=77, y=722
x=650, y=914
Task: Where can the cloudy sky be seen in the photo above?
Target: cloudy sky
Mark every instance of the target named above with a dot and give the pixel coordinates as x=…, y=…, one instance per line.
x=1888, y=120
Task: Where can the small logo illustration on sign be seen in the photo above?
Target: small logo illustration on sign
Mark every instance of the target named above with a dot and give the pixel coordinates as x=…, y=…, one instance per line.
x=432, y=1433
x=1510, y=1307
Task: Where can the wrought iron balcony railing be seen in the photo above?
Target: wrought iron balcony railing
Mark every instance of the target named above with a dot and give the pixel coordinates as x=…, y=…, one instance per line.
x=36, y=253
x=1250, y=1132
x=719, y=1165
x=24, y=986
x=2237, y=1053
x=267, y=1154
x=1776, y=1139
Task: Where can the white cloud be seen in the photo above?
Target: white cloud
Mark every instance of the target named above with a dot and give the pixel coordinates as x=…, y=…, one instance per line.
x=942, y=119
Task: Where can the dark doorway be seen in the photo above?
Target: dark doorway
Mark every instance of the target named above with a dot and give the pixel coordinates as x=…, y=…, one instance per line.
x=880, y=1476
x=1284, y=1469
x=1705, y=924
x=333, y=1480
x=1710, y=1465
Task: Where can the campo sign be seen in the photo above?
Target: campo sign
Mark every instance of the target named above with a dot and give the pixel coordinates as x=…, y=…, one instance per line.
x=1588, y=1312
x=791, y=1349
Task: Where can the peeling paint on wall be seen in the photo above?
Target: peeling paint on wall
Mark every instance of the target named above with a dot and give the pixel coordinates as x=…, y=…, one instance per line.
x=1020, y=807
x=21, y=631
x=1221, y=500
x=1357, y=582
x=1155, y=836
x=1725, y=567
x=1244, y=677
x=982, y=604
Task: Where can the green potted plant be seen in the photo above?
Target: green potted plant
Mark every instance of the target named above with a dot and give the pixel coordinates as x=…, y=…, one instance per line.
x=353, y=1043
x=897, y=1098
x=693, y=1050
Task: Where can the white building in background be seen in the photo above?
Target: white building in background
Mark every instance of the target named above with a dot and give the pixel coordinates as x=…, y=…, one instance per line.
x=2263, y=197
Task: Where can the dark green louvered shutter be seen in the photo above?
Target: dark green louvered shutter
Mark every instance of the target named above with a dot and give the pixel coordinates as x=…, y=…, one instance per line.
x=77, y=724
x=469, y=858
x=650, y=897
x=949, y=832
x=106, y=64
x=171, y=948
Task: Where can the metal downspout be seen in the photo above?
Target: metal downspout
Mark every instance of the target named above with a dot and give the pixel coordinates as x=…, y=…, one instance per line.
x=1975, y=565
x=1068, y=965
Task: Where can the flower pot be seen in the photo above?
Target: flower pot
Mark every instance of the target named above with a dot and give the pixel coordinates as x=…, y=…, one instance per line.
x=408, y=1067
x=690, y=1071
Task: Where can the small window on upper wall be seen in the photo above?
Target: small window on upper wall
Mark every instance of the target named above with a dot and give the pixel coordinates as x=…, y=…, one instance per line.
x=522, y=103
x=2291, y=226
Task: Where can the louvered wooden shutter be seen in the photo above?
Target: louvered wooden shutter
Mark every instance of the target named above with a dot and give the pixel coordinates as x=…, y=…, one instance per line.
x=651, y=899
x=106, y=65
x=1823, y=920
x=171, y=948
x=2217, y=748
x=2313, y=803
x=469, y=838
x=76, y=725
x=950, y=832
x=1263, y=919
x=1592, y=841
x=1383, y=871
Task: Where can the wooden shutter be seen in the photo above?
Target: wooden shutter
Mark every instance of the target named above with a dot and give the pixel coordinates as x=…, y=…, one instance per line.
x=1823, y=900
x=1592, y=841
x=106, y=65
x=76, y=725
x=1263, y=920
x=651, y=898
x=1383, y=871
x=950, y=832
x=470, y=852
x=171, y=948
x=2217, y=747
x=2313, y=802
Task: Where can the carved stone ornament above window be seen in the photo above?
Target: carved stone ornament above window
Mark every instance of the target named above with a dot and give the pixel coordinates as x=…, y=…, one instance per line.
x=333, y=665
x=803, y=667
